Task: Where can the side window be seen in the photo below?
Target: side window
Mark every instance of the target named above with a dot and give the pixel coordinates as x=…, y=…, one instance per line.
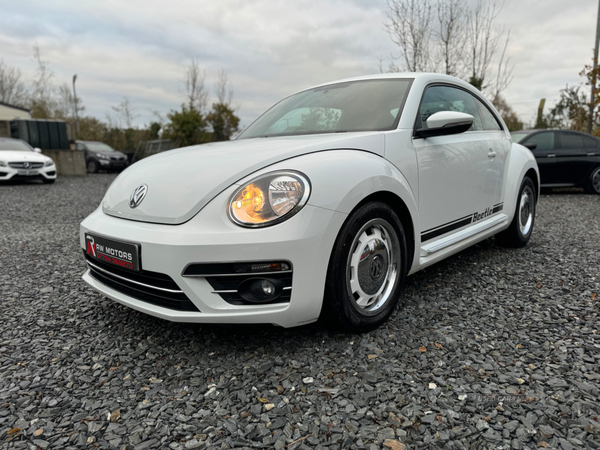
x=446, y=98
x=571, y=144
x=489, y=121
x=80, y=147
x=590, y=143
x=544, y=143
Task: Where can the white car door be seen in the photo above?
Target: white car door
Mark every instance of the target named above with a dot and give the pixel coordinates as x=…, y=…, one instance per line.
x=454, y=188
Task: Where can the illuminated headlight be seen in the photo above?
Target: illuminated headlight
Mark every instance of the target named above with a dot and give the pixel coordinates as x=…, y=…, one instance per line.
x=2, y=164
x=49, y=163
x=269, y=199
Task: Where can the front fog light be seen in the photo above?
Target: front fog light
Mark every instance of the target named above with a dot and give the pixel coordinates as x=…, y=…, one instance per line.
x=261, y=290
x=269, y=199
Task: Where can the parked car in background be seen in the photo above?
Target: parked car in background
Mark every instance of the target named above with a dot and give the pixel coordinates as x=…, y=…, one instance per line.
x=20, y=161
x=100, y=156
x=565, y=158
x=319, y=208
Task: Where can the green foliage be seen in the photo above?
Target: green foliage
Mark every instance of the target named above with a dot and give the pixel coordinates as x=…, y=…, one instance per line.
x=508, y=114
x=477, y=82
x=186, y=127
x=223, y=121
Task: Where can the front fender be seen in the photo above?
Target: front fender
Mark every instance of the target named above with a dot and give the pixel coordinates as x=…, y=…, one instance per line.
x=341, y=179
x=520, y=161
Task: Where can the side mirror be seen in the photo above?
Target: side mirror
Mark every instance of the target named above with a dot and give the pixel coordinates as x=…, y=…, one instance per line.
x=530, y=146
x=37, y=150
x=446, y=122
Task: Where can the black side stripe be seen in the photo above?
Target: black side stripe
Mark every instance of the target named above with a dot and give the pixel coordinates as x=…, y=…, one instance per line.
x=428, y=235
x=454, y=225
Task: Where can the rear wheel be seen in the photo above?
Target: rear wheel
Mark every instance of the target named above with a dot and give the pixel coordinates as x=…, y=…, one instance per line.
x=593, y=186
x=92, y=167
x=521, y=227
x=366, y=270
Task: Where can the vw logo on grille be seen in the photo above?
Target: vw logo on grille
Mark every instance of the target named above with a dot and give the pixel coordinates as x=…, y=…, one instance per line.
x=138, y=195
x=26, y=165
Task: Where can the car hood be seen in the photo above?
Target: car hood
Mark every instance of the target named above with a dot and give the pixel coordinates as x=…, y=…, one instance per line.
x=181, y=182
x=16, y=156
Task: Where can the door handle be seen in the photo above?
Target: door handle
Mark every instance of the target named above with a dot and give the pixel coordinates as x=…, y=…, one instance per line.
x=551, y=155
x=491, y=154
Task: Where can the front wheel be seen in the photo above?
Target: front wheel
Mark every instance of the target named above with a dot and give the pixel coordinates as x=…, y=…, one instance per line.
x=366, y=270
x=521, y=227
x=593, y=186
x=92, y=167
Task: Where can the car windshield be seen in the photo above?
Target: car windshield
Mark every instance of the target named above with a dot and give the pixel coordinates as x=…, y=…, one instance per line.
x=367, y=105
x=14, y=145
x=99, y=147
x=517, y=137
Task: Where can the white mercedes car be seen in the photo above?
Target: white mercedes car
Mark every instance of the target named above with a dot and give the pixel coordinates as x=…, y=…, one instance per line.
x=320, y=208
x=20, y=161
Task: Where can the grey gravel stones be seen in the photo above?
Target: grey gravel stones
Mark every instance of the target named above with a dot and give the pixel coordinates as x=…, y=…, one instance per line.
x=495, y=348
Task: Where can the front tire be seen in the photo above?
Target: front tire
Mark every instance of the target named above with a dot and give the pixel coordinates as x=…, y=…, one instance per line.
x=92, y=167
x=520, y=229
x=367, y=269
x=593, y=186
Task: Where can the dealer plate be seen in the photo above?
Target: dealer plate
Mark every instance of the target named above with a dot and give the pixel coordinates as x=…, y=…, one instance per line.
x=116, y=253
x=27, y=172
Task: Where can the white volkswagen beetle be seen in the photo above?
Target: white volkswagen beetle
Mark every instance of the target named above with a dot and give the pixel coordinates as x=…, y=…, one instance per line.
x=320, y=208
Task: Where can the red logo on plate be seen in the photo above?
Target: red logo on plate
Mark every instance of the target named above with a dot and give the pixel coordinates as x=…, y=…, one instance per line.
x=91, y=246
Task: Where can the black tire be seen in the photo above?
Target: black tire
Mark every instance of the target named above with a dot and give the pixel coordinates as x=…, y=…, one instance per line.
x=47, y=181
x=361, y=291
x=520, y=229
x=92, y=167
x=593, y=186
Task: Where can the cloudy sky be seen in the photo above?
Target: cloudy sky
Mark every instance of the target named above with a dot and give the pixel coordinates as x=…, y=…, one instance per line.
x=269, y=48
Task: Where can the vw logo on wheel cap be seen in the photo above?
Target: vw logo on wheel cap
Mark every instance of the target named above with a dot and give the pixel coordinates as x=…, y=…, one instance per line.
x=138, y=195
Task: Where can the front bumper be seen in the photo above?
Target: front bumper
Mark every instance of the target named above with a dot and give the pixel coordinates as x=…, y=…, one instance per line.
x=305, y=240
x=41, y=173
x=109, y=164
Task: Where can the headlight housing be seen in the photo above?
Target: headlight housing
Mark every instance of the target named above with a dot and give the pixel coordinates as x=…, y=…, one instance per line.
x=269, y=199
x=102, y=156
x=49, y=163
x=2, y=164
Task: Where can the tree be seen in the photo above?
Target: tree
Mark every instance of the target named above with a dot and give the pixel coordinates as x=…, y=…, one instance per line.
x=12, y=88
x=409, y=26
x=222, y=118
x=186, y=127
x=194, y=86
x=223, y=121
x=464, y=40
x=570, y=112
x=508, y=114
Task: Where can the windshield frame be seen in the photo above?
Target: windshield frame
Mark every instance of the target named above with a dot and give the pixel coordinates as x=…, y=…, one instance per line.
x=408, y=80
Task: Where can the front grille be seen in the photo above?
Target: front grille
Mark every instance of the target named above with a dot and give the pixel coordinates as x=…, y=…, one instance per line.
x=226, y=279
x=21, y=165
x=151, y=287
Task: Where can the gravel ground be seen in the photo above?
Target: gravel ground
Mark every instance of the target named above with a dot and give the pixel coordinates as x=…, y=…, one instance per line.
x=495, y=348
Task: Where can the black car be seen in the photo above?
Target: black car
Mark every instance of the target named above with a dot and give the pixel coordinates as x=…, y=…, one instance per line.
x=99, y=156
x=565, y=158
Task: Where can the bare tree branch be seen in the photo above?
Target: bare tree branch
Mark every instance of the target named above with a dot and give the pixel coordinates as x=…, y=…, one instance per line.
x=450, y=36
x=12, y=89
x=409, y=27
x=194, y=86
x=223, y=88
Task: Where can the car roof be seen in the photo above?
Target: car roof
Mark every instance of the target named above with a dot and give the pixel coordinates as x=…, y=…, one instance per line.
x=424, y=77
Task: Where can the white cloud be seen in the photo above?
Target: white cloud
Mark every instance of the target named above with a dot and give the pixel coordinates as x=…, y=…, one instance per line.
x=269, y=48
